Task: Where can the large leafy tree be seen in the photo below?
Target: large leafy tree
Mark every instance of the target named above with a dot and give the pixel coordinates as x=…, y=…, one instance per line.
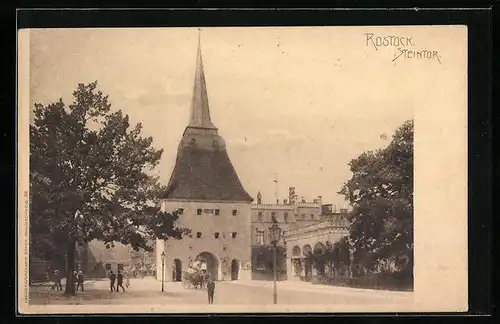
x=90, y=179
x=381, y=193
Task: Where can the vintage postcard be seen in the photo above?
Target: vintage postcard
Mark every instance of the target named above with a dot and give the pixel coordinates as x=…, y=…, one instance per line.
x=290, y=169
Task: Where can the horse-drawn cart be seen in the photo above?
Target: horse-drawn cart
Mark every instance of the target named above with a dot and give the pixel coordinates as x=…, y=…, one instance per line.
x=194, y=278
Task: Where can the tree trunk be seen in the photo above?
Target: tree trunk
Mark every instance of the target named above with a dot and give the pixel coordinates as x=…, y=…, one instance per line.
x=70, y=267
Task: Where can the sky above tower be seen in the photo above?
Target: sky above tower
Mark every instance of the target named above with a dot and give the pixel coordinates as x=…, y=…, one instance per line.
x=296, y=102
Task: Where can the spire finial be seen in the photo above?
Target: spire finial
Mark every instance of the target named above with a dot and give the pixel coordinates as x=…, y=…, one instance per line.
x=199, y=39
x=200, y=112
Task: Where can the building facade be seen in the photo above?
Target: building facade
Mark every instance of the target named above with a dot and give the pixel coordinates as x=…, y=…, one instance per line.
x=206, y=191
x=289, y=216
x=304, y=240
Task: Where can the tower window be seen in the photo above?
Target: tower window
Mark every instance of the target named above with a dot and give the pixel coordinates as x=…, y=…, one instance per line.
x=234, y=234
x=260, y=216
x=198, y=235
x=312, y=216
x=198, y=211
x=217, y=212
x=216, y=235
x=235, y=212
x=180, y=211
x=273, y=214
x=286, y=217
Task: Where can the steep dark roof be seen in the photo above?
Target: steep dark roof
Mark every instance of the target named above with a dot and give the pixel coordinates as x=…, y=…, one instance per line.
x=203, y=170
x=201, y=174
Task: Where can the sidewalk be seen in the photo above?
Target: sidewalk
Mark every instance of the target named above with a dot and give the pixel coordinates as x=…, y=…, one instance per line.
x=307, y=286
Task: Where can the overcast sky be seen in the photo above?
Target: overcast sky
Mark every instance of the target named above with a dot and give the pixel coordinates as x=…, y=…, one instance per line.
x=299, y=102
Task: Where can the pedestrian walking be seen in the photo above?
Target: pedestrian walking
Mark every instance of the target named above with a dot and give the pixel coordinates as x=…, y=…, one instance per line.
x=119, y=283
x=79, y=282
x=112, y=278
x=211, y=290
x=57, y=280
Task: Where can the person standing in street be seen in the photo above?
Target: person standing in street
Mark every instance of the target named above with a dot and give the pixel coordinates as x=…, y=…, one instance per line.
x=75, y=279
x=79, y=282
x=127, y=279
x=112, y=278
x=57, y=281
x=211, y=291
x=119, y=284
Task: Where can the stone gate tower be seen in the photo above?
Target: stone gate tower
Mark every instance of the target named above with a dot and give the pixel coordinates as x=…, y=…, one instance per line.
x=210, y=198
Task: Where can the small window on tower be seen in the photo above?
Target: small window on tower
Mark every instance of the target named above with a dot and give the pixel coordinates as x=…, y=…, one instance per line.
x=312, y=216
x=217, y=212
x=235, y=212
x=216, y=235
x=198, y=211
x=180, y=211
x=233, y=235
x=198, y=235
x=260, y=216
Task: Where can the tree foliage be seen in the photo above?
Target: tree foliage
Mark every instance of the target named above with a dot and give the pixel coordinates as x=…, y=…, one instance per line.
x=381, y=193
x=332, y=258
x=90, y=178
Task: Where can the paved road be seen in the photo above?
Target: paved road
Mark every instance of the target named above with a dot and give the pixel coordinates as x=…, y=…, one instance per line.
x=148, y=292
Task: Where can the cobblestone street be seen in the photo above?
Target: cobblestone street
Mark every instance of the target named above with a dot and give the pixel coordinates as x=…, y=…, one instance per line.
x=147, y=291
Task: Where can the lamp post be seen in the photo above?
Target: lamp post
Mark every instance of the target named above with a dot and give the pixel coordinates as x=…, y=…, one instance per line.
x=275, y=235
x=162, y=270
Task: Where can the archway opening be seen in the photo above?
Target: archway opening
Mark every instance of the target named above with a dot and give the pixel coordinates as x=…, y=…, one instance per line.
x=307, y=252
x=296, y=251
x=177, y=271
x=235, y=269
x=209, y=264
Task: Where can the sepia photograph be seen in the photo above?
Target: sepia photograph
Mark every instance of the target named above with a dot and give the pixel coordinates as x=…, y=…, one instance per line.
x=242, y=169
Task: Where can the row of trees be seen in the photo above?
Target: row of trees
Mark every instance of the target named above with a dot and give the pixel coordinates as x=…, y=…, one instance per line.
x=332, y=260
x=381, y=232
x=91, y=179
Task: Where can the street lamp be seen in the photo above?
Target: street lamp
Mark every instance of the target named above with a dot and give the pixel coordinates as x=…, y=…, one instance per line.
x=162, y=270
x=275, y=235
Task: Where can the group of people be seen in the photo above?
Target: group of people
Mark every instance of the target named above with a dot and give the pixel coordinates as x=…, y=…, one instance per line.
x=118, y=278
x=77, y=280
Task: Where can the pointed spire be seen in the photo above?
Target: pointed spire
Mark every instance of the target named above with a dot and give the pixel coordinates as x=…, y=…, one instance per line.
x=200, y=112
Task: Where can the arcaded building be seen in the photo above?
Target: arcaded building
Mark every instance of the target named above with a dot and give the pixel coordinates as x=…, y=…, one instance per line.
x=206, y=191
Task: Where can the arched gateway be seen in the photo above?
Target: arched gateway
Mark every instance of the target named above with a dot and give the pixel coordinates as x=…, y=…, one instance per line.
x=210, y=263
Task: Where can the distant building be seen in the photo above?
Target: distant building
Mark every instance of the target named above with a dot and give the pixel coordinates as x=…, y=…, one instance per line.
x=95, y=260
x=290, y=217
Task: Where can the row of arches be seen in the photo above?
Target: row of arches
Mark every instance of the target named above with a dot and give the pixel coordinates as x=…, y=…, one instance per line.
x=209, y=262
x=306, y=249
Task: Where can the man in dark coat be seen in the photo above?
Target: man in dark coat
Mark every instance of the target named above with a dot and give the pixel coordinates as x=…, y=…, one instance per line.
x=57, y=280
x=79, y=280
x=112, y=278
x=119, y=284
x=210, y=290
